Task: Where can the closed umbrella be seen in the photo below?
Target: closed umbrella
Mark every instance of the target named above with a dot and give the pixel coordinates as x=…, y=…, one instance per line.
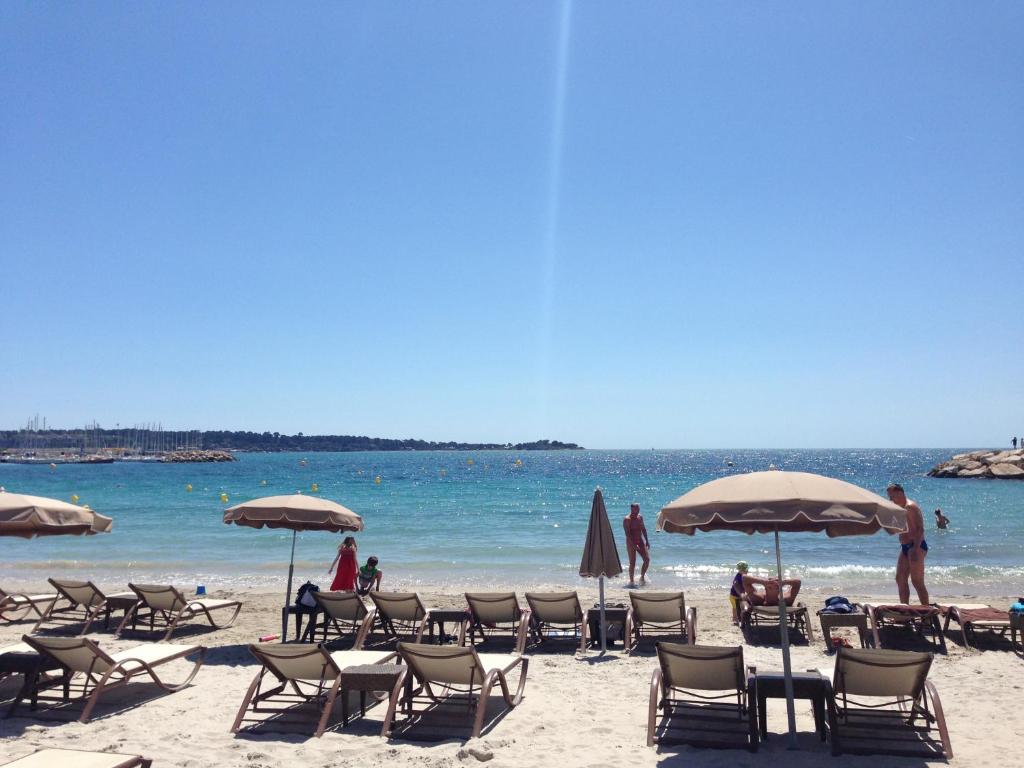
x=600, y=557
x=296, y=513
x=774, y=501
x=30, y=516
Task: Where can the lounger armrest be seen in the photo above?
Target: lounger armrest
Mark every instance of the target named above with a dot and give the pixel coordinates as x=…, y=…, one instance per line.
x=652, y=709
x=523, y=630
x=940, y=717
x=691, y=625
x=831, y=715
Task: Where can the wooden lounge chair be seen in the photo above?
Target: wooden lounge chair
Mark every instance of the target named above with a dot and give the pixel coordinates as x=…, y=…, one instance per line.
x=94, y=672
x=557, y=611
x=306, y=673
x=706, y=697
x=168, y=608
x=455, y=676
x=922, y=620
x=346, y=614
x=78, y=758
x=496, y=613
x=659, y=612
x=882, y=702
x=15, y=606
x=979, y=617
x=81, y=602
x=399, y=615
x=767, y=615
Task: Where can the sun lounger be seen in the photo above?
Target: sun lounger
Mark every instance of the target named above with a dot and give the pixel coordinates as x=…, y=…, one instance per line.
x=15, y=606
x=454, y=676
x=77, y=758
x=399, y=615
x=557, y=612
x=659, y=612
x=81, y=602
x=922, y=620
x=94, y=671
x=978, y=617
x=706, y=698
x=494, y=613
x=346, y=614
x=797, y=617
x=305, y=673
x=882, y=702
x=168, y=608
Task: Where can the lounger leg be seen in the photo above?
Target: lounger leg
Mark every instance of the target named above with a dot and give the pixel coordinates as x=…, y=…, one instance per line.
x=328, y=707
x=248, y=698
x=940, y=718
x=652, y=708
x=396, y=696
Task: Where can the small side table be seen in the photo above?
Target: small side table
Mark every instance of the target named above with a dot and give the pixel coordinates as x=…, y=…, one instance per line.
x=298, y=611
x=367, y=678
x=31, y=665
x=806, y=685
x=617, y=615
x=441, y=615
x=120, y=601
x=829, y=621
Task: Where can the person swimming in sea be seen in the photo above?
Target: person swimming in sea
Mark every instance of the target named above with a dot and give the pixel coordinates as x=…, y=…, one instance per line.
x=941, y=521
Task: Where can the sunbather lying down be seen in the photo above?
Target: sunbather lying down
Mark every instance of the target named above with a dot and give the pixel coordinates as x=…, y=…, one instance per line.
x=770, y=595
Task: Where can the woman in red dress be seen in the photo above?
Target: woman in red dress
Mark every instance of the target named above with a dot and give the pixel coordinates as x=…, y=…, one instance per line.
x=345, y=578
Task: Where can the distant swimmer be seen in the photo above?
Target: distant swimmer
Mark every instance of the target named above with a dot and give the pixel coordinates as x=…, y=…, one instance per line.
x=941, y=521
x=913, y=548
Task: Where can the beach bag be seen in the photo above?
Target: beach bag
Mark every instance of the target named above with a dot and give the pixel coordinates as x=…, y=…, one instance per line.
x=304, y=597
x=838, y=604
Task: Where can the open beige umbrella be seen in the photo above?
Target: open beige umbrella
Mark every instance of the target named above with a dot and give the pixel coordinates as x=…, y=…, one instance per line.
x=600, y=556
x=294, y=512
x=774, y=501
x=30, y=516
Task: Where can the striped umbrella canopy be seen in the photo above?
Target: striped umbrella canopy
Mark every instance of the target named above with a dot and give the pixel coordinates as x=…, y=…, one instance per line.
x=27, y=517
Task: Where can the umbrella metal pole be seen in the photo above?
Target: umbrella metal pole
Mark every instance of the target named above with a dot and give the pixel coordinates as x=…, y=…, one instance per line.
x=787, y=667
x=604, y=628
x=288, y=593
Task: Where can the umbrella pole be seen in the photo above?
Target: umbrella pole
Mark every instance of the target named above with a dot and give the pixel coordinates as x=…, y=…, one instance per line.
x=787, y=668
x=604, y=627
x=288, y=593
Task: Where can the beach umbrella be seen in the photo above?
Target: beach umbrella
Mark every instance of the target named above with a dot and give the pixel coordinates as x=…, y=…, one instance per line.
x=293, y=512
x=30, y=516
x=774, y=502
x=600, y=557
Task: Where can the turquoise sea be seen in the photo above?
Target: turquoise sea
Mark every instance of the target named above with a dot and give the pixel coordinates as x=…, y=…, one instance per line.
x=482, y=519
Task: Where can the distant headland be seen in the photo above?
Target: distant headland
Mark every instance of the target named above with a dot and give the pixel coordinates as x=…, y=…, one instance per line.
x=96, y=445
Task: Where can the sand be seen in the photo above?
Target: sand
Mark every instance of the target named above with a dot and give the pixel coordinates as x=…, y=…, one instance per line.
x=577, y=711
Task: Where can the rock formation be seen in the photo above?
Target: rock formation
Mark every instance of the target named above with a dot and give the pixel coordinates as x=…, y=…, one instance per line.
x=1002, y=465
x=196, y=456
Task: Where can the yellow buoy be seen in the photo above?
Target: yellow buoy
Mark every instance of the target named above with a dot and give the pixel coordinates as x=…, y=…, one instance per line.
x=315, y=487
x=376, y=480
x=188, y=487
x=223, y=498
x=469, y=462
x=74, y=498
x=519, y=462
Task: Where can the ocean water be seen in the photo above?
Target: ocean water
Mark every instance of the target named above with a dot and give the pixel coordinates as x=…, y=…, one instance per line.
x=483, y=519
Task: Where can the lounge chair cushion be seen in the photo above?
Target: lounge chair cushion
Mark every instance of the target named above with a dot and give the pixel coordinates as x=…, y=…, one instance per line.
x=353, y=658
x=151, y=654
x=500, y=661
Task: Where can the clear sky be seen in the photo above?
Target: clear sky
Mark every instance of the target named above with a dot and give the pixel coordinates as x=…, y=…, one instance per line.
x=622, y=224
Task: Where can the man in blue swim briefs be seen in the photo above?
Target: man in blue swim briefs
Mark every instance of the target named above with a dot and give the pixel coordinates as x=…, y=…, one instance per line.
x=913, y=548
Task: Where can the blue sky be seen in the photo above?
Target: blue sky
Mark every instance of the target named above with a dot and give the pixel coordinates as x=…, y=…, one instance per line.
x=627, y=225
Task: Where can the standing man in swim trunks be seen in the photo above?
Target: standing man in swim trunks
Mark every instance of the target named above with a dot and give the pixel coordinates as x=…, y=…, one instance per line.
x=913, y=548
x=636, y=542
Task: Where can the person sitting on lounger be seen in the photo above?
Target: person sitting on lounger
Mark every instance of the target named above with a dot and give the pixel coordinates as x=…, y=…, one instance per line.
x=789, y=588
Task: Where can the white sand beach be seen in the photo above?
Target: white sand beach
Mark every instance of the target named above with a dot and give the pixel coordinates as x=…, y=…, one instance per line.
x=577, y=711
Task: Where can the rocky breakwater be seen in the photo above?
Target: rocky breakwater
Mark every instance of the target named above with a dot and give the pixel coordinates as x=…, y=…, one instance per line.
x=182, y=457
x=1000, y=465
